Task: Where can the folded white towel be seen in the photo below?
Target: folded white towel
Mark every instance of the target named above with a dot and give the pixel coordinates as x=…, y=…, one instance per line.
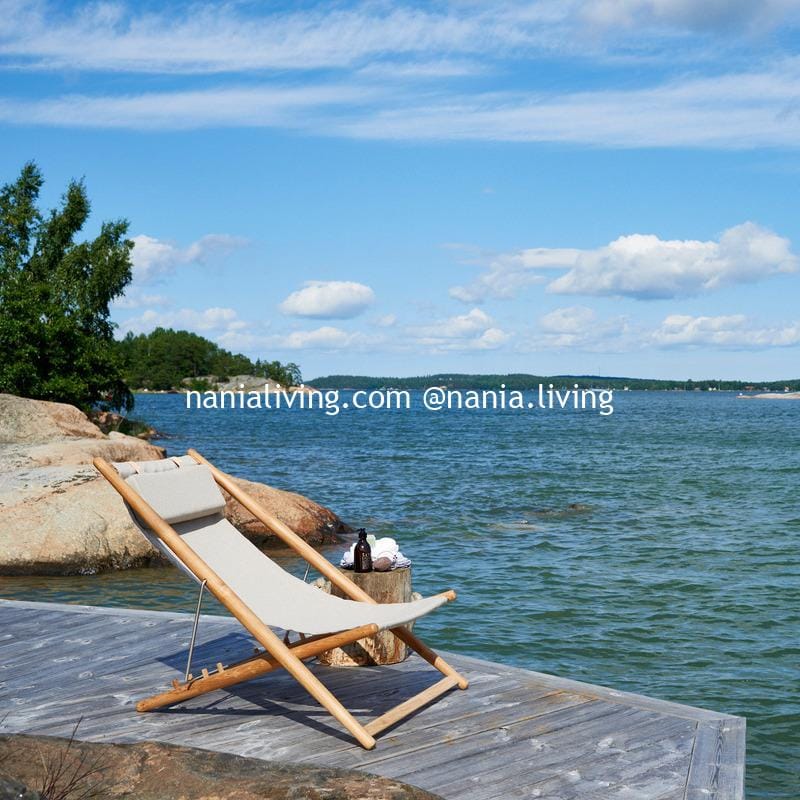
x=385, y=548
x=348, y=559
x=381, y=548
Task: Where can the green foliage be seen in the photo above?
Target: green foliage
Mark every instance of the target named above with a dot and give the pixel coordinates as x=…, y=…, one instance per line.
x=164, y=358
x=285, y=374
x=56, y=338
x=199, y=384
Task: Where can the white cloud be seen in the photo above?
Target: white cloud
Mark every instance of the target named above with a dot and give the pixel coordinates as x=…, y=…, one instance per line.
x=222, y=39
x=474, y=330
x=490, y=339
x=324, y=338
x=581, y=328
x=219, y=38
x=710, y=15
x=746, y=110
x=571, y=320
x=457, y=327
x=229, y=106
x=734, y=331
x=328, y=300
x=208, y=321
x=573, y=328
x=507, y=273
x=393, y=71
x=250, y=339
x=727, y=111
x=386, y=321
x=398, y=71
x=642, y=266
x=154, y=258
x=646, y=267
x=135, y=298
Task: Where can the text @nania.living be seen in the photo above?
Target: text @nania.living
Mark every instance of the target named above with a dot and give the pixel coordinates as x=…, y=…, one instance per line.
x=435, y=399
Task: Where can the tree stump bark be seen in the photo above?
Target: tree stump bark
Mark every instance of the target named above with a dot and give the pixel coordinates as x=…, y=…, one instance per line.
x=383, y=648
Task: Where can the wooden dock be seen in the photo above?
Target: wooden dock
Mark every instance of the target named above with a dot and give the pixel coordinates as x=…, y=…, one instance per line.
x=512, y=734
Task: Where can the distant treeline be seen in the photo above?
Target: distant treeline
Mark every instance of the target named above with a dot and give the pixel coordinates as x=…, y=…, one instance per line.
x=523, y=381
x=160, y=360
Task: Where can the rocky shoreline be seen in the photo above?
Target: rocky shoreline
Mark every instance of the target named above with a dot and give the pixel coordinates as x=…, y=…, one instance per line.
x=237, y=383
x=58, y=517
x=155, y=771
x=771, y=396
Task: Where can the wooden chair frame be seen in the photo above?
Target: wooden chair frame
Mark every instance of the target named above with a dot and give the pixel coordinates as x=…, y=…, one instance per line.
x=277, y=653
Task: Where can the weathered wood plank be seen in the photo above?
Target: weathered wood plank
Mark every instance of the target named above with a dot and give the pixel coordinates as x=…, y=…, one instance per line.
x=717, y=768
x=446, y=719
x=513, y=733
x=498, y=748
x=600, y=692
x=611, y=756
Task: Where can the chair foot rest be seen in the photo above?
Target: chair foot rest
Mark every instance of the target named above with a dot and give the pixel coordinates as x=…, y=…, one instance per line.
x=393, y=716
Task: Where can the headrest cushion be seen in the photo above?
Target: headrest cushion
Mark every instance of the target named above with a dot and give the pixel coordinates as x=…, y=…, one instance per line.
x=177, y=494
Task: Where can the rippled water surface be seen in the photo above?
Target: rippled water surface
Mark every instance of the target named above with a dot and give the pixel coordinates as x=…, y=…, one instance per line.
x=656, y=550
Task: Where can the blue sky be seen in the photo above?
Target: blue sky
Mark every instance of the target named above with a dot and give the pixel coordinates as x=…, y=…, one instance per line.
x=389, y=188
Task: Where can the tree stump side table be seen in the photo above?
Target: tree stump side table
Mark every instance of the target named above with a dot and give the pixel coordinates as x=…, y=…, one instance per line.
x=383, y=648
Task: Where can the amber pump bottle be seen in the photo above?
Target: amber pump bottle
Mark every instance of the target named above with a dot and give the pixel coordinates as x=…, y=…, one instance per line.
x=362, y=556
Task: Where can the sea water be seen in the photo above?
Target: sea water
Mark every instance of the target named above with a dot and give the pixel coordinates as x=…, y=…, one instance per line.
x=653, y=550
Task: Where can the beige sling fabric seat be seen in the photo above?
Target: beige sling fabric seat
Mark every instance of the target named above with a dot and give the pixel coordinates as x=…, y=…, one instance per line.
x=177, y=504
x=185, y=495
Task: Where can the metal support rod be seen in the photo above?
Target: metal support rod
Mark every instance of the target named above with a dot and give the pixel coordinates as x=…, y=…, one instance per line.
x=194, y=631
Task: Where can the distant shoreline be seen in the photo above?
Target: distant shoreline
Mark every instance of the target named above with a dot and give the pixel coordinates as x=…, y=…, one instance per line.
x=523, y=381
x=513, y=381
x=739, y=395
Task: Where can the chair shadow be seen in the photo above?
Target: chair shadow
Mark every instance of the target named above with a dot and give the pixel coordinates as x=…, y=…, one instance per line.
x=374, y=692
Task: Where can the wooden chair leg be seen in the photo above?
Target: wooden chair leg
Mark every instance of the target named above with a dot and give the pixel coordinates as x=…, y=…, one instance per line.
x=304, y=676
x=309, y=681
x=434, y=659
x=405, y=709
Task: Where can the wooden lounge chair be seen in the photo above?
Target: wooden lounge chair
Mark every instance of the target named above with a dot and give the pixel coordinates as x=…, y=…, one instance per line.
x=177, y=505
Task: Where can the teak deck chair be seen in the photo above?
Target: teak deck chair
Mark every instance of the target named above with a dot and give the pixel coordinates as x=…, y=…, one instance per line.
x=177, y=505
